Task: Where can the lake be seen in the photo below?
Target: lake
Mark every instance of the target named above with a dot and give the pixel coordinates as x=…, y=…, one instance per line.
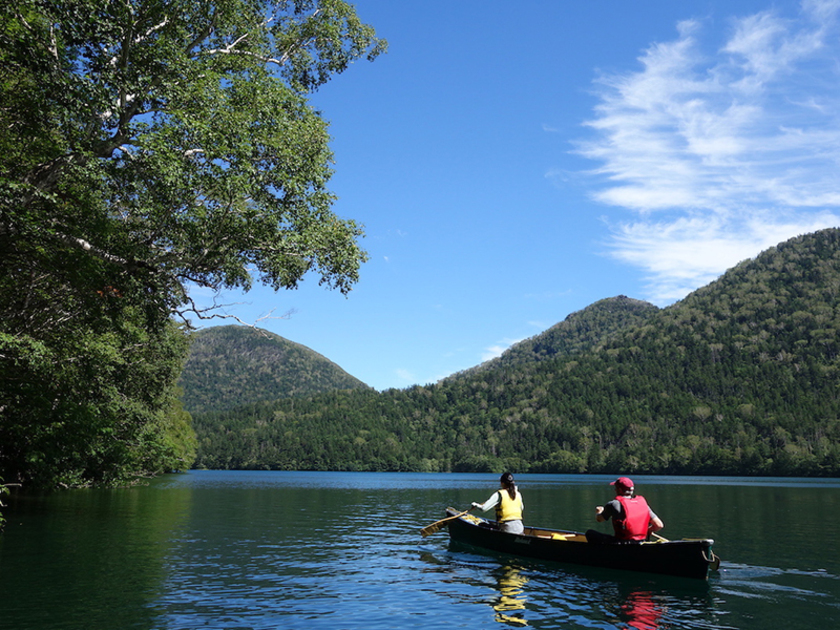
x=254, y=550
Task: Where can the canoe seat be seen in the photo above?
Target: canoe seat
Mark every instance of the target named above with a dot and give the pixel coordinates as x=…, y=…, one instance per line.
x=541, y=533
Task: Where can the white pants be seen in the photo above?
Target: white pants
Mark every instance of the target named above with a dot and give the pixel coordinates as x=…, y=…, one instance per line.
x=513, y=527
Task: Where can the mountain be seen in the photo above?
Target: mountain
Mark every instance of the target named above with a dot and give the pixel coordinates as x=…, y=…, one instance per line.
x=741, y=377
x=582, y=331
x=230, y=366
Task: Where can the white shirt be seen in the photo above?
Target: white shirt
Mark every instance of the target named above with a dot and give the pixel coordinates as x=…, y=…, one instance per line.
x=493, y=501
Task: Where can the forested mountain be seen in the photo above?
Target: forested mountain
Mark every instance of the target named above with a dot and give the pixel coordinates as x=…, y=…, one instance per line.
x=740, y=377
x=582, y=331
x=230, y=366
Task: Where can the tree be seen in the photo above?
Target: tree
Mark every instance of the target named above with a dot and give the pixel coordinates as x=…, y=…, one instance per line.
x=172, y=141
x=148, y=146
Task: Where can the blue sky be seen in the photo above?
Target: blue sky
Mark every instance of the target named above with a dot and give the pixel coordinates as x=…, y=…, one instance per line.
x=515, y=162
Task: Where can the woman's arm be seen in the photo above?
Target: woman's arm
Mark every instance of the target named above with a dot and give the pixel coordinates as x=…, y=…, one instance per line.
x=489, y=504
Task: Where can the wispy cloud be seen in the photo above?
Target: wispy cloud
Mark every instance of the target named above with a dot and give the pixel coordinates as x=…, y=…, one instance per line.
x=721, y=149
x=496, y=350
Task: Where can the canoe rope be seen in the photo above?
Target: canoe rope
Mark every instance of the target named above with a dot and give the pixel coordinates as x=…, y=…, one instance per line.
x=714, y=561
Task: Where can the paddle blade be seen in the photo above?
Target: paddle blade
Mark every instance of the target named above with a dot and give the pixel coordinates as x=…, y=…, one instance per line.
x=436, y=526
x=432, y=529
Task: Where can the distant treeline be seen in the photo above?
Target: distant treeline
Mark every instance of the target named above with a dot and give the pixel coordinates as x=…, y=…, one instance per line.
x=739, y=378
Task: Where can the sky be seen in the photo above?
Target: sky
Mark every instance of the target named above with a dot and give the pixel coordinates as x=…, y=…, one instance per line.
x=513, y=163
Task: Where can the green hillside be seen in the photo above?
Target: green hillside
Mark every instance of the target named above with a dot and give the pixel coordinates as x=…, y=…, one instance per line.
x=740, y=377
x=230, y=366
x=582, y=331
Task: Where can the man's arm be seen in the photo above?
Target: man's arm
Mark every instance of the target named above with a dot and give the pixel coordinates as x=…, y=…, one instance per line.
x=604, y=512
x=655, y=523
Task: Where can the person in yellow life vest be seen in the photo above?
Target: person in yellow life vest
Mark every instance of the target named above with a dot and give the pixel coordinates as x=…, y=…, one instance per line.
x=509, y=505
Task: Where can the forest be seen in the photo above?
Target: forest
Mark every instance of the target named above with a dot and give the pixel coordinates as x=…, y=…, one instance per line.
x=738, y=378
x=230, y=366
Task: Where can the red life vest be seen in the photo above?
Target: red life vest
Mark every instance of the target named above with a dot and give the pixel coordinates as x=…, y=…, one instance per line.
x=634, y=525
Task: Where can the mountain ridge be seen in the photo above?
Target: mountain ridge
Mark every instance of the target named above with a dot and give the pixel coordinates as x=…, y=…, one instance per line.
x=740, y=377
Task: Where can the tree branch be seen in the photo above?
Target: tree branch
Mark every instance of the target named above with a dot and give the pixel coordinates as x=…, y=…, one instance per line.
x=202, y=313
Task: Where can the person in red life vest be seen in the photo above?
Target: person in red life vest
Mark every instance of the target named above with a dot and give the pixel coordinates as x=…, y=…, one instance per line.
x=509, y=505
x=632, y=518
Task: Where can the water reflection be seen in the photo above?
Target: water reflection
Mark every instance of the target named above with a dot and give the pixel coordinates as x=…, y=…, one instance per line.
x=511, y=599
x=641, y=611
x=87, y=559
x=263, y=551
x=527, y=592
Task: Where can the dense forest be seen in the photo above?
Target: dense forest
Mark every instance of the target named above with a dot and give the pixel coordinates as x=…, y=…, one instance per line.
x=740, y=377
x=230, y=366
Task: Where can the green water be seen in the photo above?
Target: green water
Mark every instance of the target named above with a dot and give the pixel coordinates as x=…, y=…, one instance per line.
x=237, y=550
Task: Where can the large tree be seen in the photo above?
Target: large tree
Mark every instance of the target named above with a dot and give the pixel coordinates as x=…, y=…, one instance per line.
x=147, y=146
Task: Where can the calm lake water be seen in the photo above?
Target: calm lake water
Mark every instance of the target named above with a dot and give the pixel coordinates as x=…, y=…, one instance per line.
x=240, y=550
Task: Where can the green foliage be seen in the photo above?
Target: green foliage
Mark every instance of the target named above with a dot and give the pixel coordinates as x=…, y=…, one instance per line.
x=230, y=366
x=741, y=378
x=147, y=147
x=173, y=142
x=93, y=407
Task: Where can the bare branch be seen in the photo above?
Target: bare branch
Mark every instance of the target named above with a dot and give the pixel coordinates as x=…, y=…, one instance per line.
x=245, y=53
x=231, y=49
x=53, y=43
x=211, y=312
x=80, y=243
x=230, y=46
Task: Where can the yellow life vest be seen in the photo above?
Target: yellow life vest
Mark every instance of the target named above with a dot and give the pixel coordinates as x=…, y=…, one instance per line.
x=509, y=509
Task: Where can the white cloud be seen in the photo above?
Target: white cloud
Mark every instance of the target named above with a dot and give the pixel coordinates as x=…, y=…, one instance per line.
x=497, y=349
x=685, y=253
x=492, y=352
x=721, y=150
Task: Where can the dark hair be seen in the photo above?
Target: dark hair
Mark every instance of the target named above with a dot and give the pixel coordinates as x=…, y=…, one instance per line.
x=507, y=483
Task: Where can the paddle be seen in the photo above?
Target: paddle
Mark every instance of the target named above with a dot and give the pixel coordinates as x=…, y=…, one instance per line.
x=438, y=525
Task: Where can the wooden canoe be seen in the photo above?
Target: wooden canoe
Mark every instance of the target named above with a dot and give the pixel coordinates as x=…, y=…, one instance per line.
x=690, y=558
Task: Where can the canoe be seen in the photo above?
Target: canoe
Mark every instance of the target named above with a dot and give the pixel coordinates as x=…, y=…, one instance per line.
x=689, y=558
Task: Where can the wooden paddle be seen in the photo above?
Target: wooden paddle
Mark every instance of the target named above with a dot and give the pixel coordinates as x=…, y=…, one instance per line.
x=438, y=525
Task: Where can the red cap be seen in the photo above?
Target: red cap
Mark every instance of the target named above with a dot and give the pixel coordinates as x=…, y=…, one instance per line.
x=625, y=482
